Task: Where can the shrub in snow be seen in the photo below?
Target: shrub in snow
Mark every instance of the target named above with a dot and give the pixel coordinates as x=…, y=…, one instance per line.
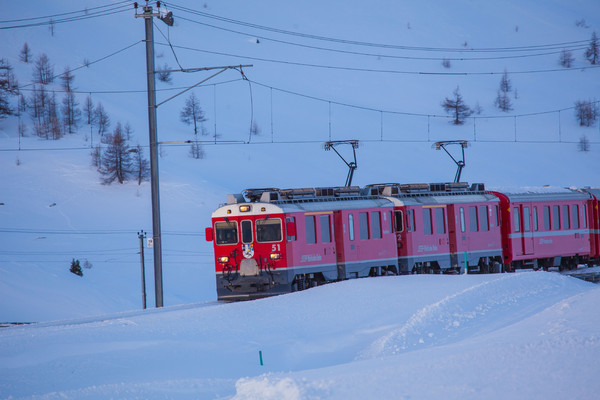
x=76, y=268
x=586, y=112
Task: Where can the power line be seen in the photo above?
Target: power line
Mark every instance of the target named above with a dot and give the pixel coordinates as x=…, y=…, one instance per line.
x=385, y=71
x=370, y=44
x=555, y=50
x=102, y=13
x=84, y=11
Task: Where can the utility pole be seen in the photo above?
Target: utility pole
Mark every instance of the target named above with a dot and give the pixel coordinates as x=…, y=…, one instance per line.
x=156, y=234
x=167, y=18
x=142, y=236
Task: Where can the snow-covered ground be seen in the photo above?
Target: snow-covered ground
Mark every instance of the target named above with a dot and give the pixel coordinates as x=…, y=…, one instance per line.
x=531, y=335
x=523, y=335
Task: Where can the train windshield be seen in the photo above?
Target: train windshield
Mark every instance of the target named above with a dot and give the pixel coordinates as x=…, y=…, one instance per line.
x=226, y=232
x=268, y=230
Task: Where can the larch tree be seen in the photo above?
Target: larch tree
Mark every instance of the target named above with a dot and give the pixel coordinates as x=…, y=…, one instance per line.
x=102, y=119
x=503, y=101
x=456, y=107
x=25, y=54
x=70, y=111
x=43, y=71
x=192, y=113
x=8, y=87
x=116, y=159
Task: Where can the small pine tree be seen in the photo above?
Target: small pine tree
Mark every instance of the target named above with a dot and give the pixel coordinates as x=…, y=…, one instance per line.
x=584, y=144
x=456, y=107
x=503, y=101
x=25, y=54
x=592, y=53
x=76, y=268
x=8, y=86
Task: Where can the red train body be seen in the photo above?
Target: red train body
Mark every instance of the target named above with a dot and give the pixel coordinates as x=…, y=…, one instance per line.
x=272, y=241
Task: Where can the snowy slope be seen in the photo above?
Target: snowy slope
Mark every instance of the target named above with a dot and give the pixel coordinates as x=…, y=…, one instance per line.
x=523, y=336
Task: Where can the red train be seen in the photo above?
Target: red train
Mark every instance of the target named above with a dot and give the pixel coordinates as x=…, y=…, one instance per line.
x=273, y=241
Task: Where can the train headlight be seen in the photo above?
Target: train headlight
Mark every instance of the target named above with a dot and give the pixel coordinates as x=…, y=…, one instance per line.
x=223, y=259
x=275, y=256
x=244, y=208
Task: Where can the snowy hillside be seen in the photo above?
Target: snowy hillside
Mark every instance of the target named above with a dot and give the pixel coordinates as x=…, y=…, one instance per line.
x=520, y=336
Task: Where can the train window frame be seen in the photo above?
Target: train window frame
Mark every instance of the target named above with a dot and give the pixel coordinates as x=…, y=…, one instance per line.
x=268, y=221
x=556, y=218
x=410, y=221
x=376, y=225
x=585, y=221
x=291, y=220
x=325, y=222
x=526, y=219
x=363, y=225
x=351, y=226
x=310, y=231
x=473, y=219
x=236, y=234
x=463, y=226
x=517, y=219
x=427, y=223
x=244, y=231
x=566, y=217
x=399, y=216
x=575, y=216
x=547, y=219
x=484, y=220
x=440, y=221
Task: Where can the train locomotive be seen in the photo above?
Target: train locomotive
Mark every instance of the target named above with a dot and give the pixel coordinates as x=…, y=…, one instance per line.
x=272, y=241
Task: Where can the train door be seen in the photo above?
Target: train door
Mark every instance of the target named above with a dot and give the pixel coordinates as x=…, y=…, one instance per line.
x=453, y=221
x=339, y=235
x=525, y=213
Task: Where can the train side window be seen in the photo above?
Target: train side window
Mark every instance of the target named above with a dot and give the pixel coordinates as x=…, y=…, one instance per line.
x=351, y=226
x=565, y=217
x=484, y=221
x=427, y=229
x=363, y=225
x=410, y=221
x=462, y=220
x=376, y=225
x=517, y=214
x=291, y=220
x=473, y=223
x=526, y=219
x=585, y=216
x=575, y=218
x=535, y=219
x=497, y=211
x=309, y=224
x=547, y=218
x=440, y=223
x=387, y=222
x=556, y=217
x=325, y=229
x=246, y=231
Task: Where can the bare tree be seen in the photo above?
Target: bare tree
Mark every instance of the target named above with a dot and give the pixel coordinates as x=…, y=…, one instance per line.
x=503, y=101
x=8, y=87
x=70, y=110
x=456, y=107
x=592, y=53
x=192, y=113
x=164, y=75
x=53, y=120
x=43, y=71
x=116, y=160
x=586, y=112
x=25, y=54
x=584, y=144
x=102, y=119
x=566, y=58
x=196, y=150
x=127, y=131
x=97, y=157
x=89, y=111
x=141, y=166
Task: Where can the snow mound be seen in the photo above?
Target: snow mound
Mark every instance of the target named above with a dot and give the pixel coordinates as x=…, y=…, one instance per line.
x=478, y=309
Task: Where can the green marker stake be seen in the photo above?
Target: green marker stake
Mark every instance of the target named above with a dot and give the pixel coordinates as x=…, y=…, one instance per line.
x=260, y=356
x=466, y=265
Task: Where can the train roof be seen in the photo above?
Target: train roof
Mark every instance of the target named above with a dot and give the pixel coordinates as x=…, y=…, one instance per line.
x=542, y=193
